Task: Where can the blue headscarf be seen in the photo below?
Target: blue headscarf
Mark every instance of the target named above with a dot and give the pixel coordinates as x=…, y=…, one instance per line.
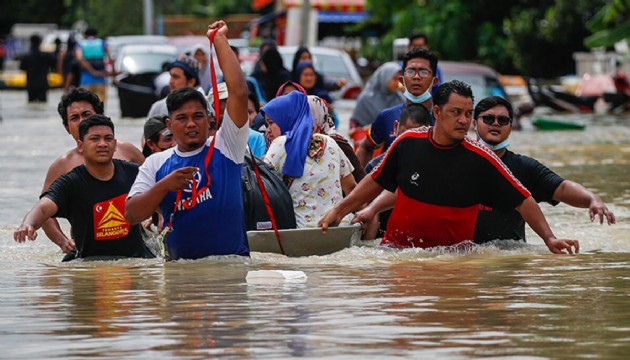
x=293, y=115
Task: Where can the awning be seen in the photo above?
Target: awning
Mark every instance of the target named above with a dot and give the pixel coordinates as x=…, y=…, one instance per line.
x=259, y=4
x=349, y=6
x=341, y=17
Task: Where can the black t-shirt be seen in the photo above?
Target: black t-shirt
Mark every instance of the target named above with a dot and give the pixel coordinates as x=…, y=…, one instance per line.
x=96, y=211
x=538, y=179
x=440, y=189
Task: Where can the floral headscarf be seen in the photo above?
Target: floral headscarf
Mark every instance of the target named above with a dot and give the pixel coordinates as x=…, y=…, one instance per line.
x=323, y=123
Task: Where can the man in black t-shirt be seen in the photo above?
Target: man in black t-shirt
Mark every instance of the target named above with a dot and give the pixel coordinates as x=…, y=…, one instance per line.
x=442, y=177
x=493, y=118
x=92, y=197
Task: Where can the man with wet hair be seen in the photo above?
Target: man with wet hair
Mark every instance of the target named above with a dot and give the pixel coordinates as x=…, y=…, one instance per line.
x=74, y=108
x=493, y=119
x=442, y=177
x=92, y=198
x=196, y=185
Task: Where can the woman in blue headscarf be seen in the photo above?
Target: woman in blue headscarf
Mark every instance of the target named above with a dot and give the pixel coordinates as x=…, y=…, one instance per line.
x=315, y=169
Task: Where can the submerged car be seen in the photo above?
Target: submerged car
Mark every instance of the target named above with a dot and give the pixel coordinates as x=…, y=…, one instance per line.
x=483, y=80
x=332, y=63
x=136, y=67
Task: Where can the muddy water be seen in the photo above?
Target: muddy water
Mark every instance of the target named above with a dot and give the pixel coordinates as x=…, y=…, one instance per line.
x=503, y=300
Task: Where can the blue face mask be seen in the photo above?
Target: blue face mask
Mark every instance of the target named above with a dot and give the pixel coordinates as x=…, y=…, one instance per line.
x=502, y=145
x=416, y=99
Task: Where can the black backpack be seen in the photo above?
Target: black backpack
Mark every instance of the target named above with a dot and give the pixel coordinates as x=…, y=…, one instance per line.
x=256, y=215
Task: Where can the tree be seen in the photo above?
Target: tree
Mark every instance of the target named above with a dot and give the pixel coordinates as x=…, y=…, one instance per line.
x=610, y=25
x=542, y=40
x=514, y=36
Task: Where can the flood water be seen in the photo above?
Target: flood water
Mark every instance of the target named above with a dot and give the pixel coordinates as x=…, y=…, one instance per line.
x=505, y=300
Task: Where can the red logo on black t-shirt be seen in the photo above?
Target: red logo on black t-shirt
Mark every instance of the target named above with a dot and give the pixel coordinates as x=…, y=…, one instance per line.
x=109, y=219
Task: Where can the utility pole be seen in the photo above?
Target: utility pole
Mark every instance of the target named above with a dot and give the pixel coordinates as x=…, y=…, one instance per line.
x=147, y=7
x=306, y=21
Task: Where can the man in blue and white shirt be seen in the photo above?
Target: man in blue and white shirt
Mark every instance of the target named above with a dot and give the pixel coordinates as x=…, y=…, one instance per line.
x=197, y=183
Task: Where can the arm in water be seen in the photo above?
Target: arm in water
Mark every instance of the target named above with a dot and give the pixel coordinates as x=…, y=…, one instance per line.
x=51, y=226
x=530, y=211
x=34, y=219
x=576, y=195
x=366, y=190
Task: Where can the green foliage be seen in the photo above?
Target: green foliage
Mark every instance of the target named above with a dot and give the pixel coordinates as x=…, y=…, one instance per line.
x=126, y=17
x=29, y=11
x=531, y=37
x=609, y=25
x=542, y=40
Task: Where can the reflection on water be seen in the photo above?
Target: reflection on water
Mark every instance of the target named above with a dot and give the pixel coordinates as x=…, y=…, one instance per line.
x=502, y=300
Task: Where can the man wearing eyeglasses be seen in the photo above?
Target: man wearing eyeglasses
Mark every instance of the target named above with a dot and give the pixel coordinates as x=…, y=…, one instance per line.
x=441, y=177
x=418, y=78
x=493, y=118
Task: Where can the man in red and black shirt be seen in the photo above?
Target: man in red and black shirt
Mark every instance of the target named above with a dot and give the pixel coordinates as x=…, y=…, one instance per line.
x=441, y=177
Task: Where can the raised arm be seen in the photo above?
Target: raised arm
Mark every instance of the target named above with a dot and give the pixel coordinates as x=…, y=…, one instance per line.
x=531, y=213
x=232, y=74
x=34, y=219
x=576, y=195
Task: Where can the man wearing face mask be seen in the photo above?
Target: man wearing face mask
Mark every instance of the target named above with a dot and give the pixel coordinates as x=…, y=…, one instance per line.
x=493, y=117
x=418, y=78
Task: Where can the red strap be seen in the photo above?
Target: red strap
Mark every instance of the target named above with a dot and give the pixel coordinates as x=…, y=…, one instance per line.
x=213, y=75
x=267, y=202
x=178, y=198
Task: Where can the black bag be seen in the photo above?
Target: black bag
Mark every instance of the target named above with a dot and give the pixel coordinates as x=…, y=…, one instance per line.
x=256, y=215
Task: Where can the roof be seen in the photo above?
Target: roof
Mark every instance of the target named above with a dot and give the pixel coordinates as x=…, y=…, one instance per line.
x=466, y=68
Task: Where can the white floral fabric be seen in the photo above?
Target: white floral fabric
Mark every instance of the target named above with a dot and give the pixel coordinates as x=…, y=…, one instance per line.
x=319, y=188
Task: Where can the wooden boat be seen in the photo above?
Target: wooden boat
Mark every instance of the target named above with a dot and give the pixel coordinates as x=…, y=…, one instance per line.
x=556, y=124
x=304, y=242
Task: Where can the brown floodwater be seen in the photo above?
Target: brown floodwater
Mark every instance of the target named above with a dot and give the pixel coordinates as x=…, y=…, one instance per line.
x=504, y=300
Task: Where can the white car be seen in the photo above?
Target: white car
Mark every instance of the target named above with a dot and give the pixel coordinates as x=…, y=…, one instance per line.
x=136, y=67
x=332, y=63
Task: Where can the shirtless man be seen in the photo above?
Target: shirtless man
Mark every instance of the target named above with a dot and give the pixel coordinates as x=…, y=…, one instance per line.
x=74, y=107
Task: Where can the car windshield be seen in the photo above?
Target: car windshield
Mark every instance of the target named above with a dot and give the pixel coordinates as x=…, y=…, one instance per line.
x=481, y=86
x=329, y=65
x=145, y=62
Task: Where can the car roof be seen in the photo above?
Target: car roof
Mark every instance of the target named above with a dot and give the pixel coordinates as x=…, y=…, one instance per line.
x=468, y=68
x=143, y=48
x=312, y=49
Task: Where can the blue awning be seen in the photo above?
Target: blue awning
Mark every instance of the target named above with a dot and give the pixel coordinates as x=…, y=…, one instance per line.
x=341, y=17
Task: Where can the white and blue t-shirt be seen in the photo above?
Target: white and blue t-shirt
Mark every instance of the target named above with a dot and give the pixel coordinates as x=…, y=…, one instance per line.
x=215, y=225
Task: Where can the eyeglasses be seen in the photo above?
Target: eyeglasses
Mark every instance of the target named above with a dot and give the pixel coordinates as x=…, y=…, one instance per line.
x=502, y=119
x=411, y=72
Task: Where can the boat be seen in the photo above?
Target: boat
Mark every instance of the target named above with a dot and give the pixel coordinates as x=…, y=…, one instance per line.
x=304, y=242
x=556, y=124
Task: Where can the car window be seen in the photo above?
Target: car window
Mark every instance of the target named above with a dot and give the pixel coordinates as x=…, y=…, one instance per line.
x=481, y=86
x=329, y=65
x=332, y=66
x=146, y=62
